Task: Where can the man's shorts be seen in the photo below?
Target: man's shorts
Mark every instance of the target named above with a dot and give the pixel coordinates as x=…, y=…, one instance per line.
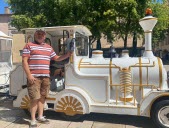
x=40, y=88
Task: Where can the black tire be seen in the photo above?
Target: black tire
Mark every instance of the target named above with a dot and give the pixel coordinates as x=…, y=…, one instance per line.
x=71, y=118
x=27, y=112
x=160, y=114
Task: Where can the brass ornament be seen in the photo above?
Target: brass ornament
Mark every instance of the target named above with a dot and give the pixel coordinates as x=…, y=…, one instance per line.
x=25, y=104
x=69, y=105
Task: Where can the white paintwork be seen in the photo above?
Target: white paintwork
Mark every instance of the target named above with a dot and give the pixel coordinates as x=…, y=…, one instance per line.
x=89, y=83
x=5, y=69
x=17, y=80
x=21, y=94
x=148, y=48
x=148, y=23
x=126, y=63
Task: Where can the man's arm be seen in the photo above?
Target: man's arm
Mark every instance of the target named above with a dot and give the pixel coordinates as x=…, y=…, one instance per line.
x=25, y=66
x=63, y=57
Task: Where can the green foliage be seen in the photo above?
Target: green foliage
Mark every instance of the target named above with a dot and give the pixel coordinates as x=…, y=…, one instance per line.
x=161, y=11
x=22, y=21
x=129, y=12
x=115, y=18
x=28, y=13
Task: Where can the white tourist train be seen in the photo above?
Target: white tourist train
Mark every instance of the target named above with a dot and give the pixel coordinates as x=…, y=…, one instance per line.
x=124, y=85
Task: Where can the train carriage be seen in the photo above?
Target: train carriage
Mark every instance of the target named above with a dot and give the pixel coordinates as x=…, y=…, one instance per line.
x=6, y=63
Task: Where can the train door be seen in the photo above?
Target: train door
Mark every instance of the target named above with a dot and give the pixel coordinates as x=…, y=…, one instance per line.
x=57, y=68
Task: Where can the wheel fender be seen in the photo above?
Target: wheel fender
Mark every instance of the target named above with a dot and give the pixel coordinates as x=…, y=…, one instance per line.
x=72, y=101
x=146, y=103
x=159, y=113
x=22, y=99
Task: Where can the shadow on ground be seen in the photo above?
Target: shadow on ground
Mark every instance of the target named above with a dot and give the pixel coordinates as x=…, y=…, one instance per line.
x=136, y=121
x=18, y=116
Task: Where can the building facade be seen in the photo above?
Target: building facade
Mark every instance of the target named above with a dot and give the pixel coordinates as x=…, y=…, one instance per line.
x=18, y=38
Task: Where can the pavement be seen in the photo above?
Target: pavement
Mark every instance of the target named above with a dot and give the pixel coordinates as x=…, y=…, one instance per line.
x=11, y=117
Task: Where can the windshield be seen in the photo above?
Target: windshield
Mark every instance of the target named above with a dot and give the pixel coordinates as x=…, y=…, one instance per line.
x=81, y=45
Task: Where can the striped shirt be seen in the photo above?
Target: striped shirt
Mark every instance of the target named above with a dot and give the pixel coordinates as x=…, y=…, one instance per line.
x=39, y=58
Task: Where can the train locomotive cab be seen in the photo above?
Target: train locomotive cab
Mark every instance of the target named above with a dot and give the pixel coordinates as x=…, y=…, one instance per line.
x=83, y=84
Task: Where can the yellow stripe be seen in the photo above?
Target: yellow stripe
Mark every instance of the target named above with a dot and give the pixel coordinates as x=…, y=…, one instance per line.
x=79, y=64
x=133, y=85
x=147, y=77
x=71, y=58
x=126, y=99
x=140, y=71
x=97, y=52
x=24, y=107
x=141, y=82
x=160, y=72
x=110, y=72
x=138, y=109
x=153, y=18
x=92, y=66
x=148, y=31
x=50, y=98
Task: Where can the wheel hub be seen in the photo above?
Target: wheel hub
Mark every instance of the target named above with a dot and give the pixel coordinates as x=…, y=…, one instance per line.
x=163, y=115
x=167, y=115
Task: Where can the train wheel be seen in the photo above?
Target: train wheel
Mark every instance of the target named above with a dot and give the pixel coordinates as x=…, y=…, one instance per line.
x=27, y=112
x=25, y=104
x=71, y=107
x=160, y=114
x=71, y=118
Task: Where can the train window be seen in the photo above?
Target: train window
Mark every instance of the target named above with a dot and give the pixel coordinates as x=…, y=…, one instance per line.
x=81, y=45
x=62, y=46
x=29, y=39
x=5, y=45
x=47, y=40
x=5, y=50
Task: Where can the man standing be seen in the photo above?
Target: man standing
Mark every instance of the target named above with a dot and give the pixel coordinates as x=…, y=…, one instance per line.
x=36, y=61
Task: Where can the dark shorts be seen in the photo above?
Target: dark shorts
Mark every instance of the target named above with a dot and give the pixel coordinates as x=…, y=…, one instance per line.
x=40, y=88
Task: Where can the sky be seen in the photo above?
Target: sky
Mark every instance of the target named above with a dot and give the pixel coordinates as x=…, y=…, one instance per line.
x=2, y=5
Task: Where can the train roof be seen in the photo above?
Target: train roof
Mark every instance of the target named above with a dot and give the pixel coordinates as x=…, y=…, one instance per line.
x=4, y=36
x=58, y=30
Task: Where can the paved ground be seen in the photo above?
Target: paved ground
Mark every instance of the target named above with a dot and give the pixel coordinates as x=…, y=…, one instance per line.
x=16, y=118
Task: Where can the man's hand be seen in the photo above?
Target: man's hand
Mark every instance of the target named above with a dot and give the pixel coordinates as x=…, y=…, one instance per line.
x=63, y=57
x=69, y=53
x=31, y=79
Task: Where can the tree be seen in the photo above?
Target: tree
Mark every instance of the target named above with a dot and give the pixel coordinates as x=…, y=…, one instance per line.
x=116, y=19
x=27, y=13
x=95, y=17
x=160, y=11
x=128, y=13
x=37, y=13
